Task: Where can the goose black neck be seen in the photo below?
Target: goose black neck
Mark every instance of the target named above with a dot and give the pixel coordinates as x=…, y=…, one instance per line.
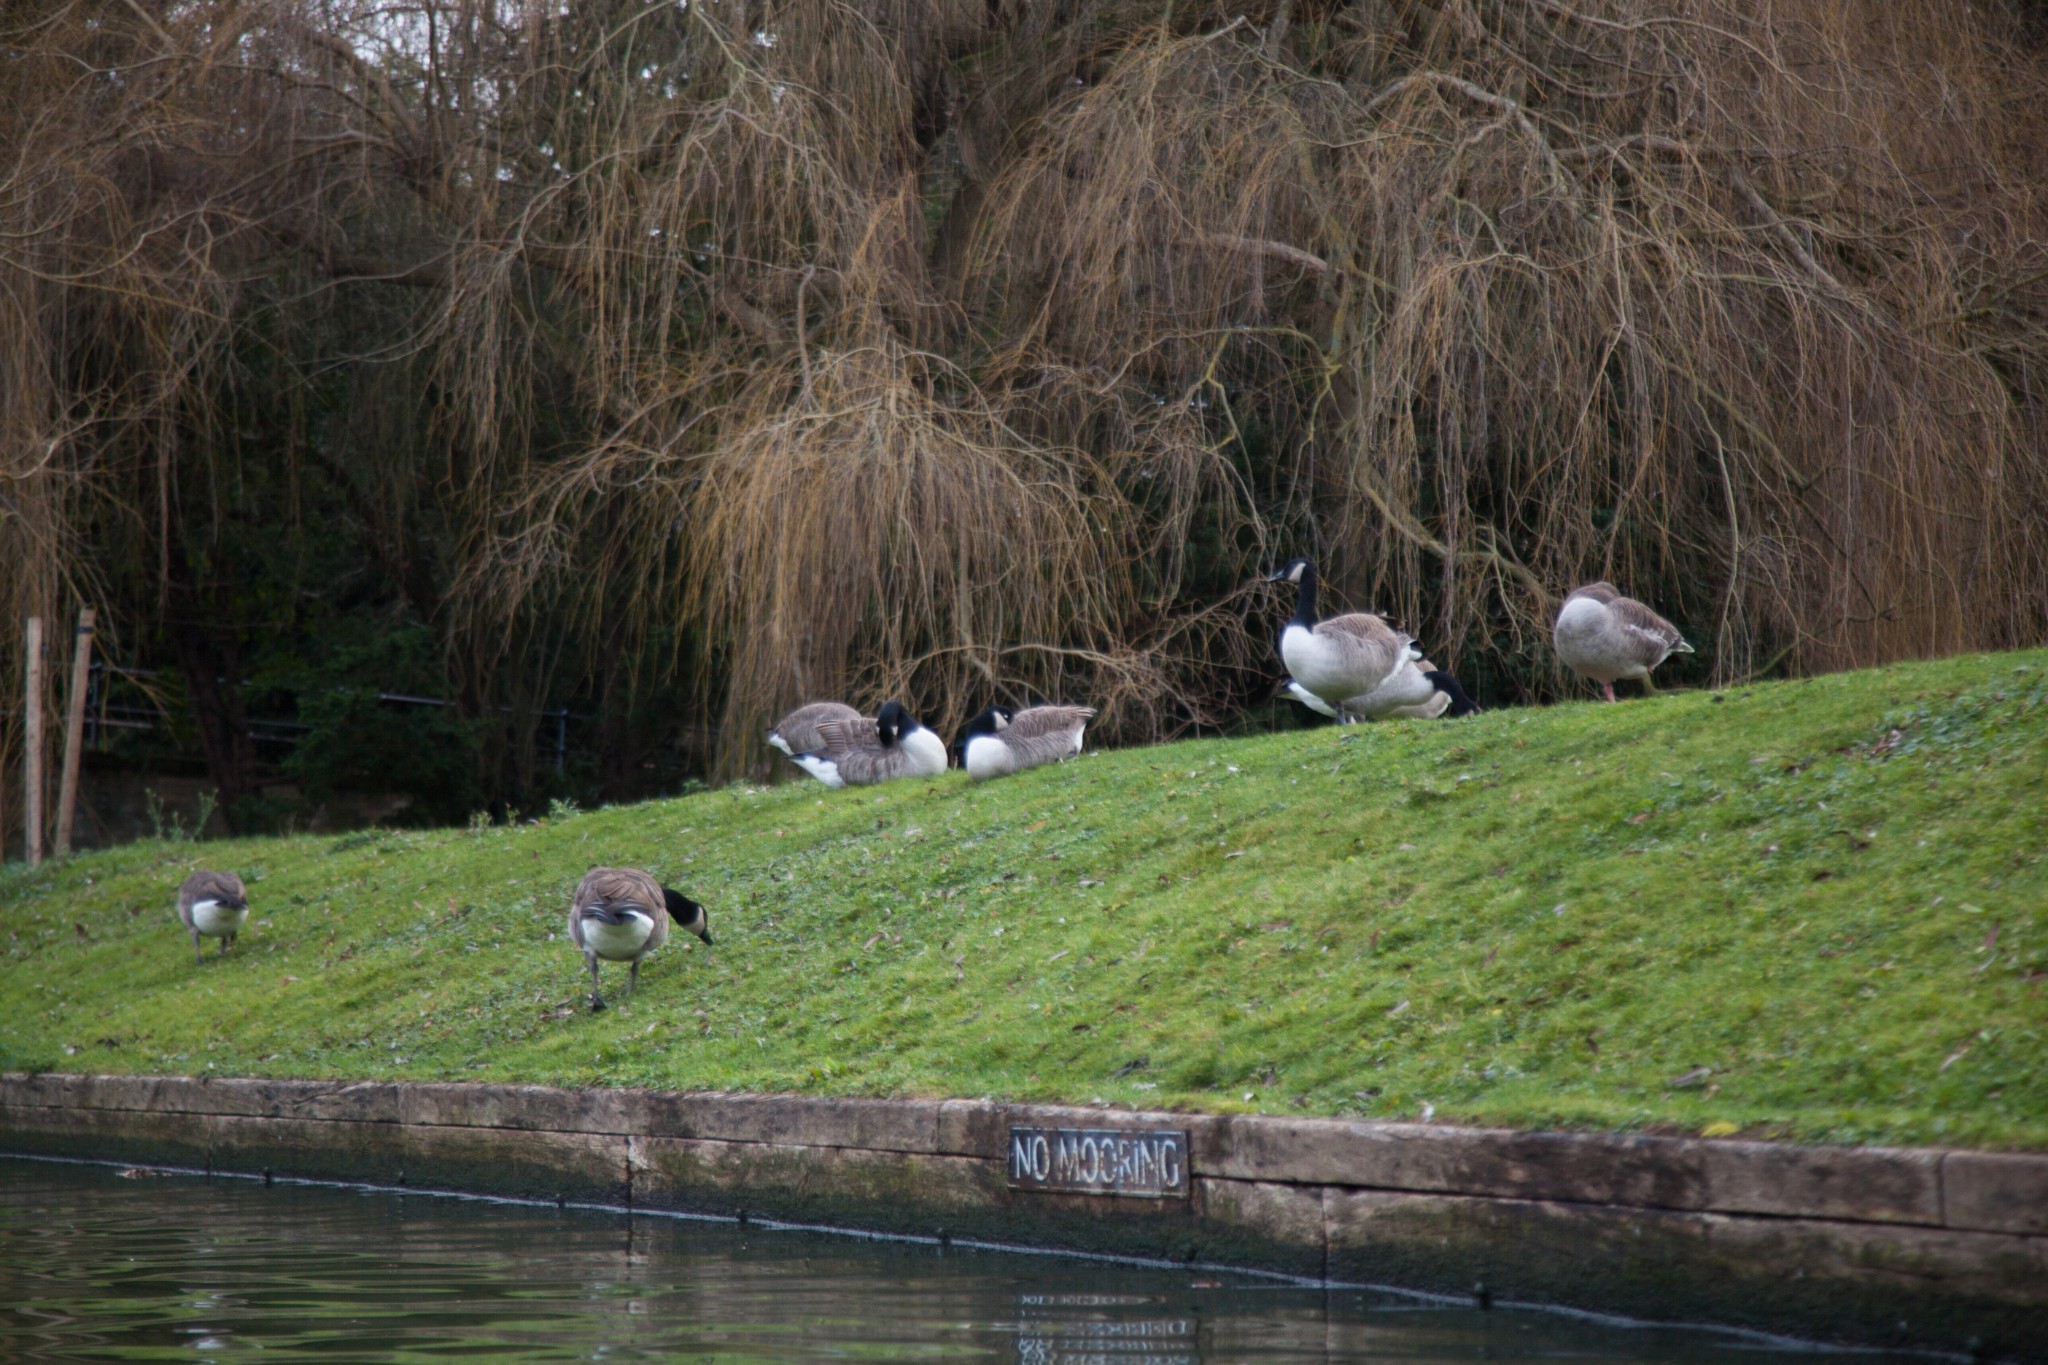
x=1305, y=598
x=1461, y=702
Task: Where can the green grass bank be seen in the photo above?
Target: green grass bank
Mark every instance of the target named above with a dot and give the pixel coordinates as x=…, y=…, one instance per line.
x=1812, y=909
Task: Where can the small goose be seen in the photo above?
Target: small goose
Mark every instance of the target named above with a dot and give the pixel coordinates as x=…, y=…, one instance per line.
x=1000, y=741
x=621, y=914
x=214, y=904
x=1343, y=657
x=1602, y=636
x=797, y=732
x=862, y=752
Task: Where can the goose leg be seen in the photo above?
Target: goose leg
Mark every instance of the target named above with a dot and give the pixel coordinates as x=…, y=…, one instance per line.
x=596, y=1000
x=224, y=945
x=633, y=978
x=197, y=956
x=1607, y=688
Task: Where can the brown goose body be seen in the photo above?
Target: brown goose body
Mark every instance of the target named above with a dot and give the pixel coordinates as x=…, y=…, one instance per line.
x=213, y=904
x=798, y=733
x=621, y=914
x=862, y=752
x=1001, y=741
x=1605, y=637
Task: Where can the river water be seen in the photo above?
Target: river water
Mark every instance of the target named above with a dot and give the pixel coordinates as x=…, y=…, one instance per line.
x=98, y=1263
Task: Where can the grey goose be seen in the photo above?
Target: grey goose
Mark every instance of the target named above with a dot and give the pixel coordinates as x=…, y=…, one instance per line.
x=1603, y=637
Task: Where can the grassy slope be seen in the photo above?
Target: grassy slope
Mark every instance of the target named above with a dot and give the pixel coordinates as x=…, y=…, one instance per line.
x=1531, y=917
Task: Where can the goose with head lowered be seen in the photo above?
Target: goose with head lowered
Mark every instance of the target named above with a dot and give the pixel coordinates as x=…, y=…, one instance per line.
x=797, y=732
x=1417, y=690
x=621, y=914
x=1001, y=741
x=1342, y=657
x=213, y=904
x=1604, y=637
x=861, y=752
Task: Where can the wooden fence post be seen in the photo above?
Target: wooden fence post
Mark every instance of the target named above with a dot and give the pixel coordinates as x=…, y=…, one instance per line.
x=32, y=746
x=74, y=734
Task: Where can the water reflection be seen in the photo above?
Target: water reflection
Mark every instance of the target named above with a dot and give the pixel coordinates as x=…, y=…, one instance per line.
x=93, y=1265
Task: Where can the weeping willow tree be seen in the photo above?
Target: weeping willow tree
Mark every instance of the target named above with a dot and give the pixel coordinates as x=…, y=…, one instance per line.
x=689, y=358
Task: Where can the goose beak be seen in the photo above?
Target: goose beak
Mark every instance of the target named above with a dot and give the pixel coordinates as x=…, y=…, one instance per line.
x=705, y=934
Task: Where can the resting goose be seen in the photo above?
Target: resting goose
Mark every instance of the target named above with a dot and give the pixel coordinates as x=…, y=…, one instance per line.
x=798, y=731
x=862, y=752
x=213, y=904
x=621, y=914
x=1397, y=698
x=1602, y=636
x=1000, y=741
x=1343, y=657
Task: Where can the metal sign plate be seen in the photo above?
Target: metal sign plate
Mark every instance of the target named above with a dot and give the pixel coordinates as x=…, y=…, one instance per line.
x=1145, y=1163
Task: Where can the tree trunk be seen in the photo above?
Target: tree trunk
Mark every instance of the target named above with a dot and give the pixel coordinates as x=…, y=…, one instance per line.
x=210, y=662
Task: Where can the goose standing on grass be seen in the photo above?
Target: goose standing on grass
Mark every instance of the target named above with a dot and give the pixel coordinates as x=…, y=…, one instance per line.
x=1343, y=657
x=1000, y=741
x=862, y=752
x=797, y=732
x=214, y=904
x=1418, y=690
x=1603, y=637
x=621, y=914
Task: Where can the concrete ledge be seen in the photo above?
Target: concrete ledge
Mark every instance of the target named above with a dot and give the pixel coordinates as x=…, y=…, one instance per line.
x=1876, y=1245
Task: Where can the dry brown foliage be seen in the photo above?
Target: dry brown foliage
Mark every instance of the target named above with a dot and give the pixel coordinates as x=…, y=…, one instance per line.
x=771, y=351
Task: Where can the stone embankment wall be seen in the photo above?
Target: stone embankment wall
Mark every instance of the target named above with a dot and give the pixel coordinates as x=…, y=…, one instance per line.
x=1947, y=1249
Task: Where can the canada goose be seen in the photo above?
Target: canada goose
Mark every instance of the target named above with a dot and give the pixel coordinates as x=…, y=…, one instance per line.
x=213, y=904
x=1396, y=699
x=862, y=752
x=1000, y=741
x=1343, y=657
x=621, y=914
x=797, y=732
x=1602, y=636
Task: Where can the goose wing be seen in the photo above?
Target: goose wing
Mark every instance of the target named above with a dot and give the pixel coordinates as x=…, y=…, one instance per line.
x=799, y=729
x=1368, y=646
x=1046, y=734
x=1650, y=636
x=1059, y=722
x=841, y=739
